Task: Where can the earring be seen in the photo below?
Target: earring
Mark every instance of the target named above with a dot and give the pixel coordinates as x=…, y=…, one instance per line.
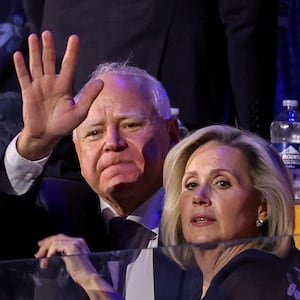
x=259, y=223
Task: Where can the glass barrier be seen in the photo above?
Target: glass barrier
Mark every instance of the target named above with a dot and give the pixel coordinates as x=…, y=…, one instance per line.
x=154, y=274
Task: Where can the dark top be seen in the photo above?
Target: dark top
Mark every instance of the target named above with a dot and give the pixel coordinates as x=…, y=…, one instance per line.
x=252, y=274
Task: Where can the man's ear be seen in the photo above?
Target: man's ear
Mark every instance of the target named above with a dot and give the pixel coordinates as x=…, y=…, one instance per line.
x=173, y=130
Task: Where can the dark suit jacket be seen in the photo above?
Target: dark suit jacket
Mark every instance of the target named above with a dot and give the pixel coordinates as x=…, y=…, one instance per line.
x=59, y=206
x=215, y=58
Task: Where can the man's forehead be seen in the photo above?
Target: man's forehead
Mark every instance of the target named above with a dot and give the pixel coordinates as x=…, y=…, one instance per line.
x=119, y=103
x=126, y=114
x=116, y=117
x=116, y=101
x=122, y=79
x=121, y=88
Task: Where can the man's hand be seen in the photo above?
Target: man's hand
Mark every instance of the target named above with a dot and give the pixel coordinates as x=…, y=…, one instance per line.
x=49, y=112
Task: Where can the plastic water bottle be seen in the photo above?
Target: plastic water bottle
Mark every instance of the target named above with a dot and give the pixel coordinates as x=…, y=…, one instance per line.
x=183, y=131
x=285, y=137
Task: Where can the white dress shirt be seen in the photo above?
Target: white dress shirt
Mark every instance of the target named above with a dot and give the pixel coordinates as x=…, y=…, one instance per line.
x=21, y=172
x=139, y=274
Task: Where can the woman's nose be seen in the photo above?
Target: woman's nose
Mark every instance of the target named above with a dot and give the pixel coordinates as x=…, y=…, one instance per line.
x=201, y=196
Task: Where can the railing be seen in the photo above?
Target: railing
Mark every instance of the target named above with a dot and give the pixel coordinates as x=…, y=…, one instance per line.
x=27, y=280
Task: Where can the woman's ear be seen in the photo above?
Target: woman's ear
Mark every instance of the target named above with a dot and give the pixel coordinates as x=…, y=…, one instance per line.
x=262, y=212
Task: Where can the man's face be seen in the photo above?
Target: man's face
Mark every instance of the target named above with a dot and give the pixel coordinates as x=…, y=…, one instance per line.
x=122, y=143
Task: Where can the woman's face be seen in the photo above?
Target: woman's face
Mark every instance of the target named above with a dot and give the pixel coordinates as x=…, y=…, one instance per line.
x=217, y=201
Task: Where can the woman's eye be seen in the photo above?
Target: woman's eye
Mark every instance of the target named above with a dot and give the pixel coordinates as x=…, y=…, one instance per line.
x=191, y=185
x=223, y=183
x=132, y=124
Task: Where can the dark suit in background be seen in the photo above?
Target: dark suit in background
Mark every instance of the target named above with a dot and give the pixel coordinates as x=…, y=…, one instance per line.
x=217, y=59
x=13, y=36
x=13, y=32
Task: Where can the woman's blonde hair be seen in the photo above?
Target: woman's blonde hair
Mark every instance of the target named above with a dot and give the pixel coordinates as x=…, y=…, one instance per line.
x=266, y=171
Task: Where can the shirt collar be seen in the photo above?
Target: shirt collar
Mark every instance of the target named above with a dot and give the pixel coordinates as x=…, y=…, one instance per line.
x=148, y=214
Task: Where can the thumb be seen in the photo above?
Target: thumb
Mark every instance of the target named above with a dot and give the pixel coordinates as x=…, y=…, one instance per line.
x=87, y=96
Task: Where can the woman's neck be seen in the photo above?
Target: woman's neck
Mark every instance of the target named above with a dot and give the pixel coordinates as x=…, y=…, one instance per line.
x=212, y=260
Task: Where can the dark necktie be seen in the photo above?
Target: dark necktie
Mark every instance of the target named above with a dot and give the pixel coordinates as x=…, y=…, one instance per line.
x=127, y=234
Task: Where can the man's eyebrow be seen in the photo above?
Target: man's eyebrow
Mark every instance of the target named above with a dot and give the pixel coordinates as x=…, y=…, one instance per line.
x=132, y=115
x=120, y=117
x=90, y=125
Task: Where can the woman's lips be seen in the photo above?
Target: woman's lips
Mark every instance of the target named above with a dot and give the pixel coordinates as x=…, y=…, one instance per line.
x=201, y=219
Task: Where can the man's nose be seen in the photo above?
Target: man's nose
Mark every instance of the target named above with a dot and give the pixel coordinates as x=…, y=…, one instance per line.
x=114, y=140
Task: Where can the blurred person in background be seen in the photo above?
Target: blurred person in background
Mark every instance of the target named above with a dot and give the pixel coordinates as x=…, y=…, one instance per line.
x=217, y=59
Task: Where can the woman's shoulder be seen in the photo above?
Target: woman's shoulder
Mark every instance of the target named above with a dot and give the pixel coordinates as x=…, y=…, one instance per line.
x=252, y=274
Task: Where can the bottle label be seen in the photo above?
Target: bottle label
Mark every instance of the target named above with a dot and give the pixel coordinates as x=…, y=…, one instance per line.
x=290, y=154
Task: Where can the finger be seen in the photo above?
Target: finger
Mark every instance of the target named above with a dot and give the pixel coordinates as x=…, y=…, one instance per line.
x=70, y=59
x=43, y=250
x=71, y=246
x=44, y=263
x=86, y=97
x=21, y=70
x=46, y=243
x=57, y=247
x=52, y=238
x=49, y=54
x=35, y=62
x=45, y=253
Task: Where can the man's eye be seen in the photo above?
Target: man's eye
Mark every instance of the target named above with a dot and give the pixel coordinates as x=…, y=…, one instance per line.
x=132, y=125
x=93, y=133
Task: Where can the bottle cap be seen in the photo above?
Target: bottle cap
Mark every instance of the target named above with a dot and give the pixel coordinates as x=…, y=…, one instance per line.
x=175, y=111
x=290, y=102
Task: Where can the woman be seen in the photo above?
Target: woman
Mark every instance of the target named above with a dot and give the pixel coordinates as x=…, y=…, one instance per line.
x=228, y=207
x=224, y=184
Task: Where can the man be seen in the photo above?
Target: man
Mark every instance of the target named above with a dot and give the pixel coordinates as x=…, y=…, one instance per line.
x=122, y=130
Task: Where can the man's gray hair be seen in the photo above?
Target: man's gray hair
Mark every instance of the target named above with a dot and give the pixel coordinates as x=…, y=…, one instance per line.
x=159, y=94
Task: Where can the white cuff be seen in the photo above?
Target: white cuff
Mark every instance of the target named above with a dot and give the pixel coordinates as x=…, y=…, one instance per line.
x=21, y=172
